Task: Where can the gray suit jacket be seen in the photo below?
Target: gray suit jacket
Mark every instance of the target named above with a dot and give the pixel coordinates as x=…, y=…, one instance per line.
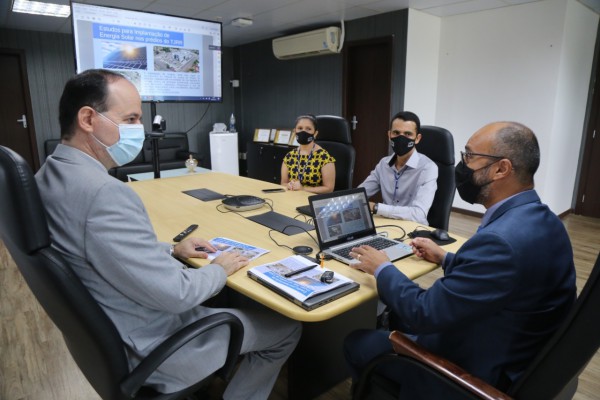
x=101, y=226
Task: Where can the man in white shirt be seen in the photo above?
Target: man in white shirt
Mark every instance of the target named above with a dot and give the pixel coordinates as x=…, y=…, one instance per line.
x=406, y=179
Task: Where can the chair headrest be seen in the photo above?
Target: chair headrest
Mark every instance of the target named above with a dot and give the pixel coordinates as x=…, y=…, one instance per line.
x=437, y=143
x=333, y=128
x=22, y=216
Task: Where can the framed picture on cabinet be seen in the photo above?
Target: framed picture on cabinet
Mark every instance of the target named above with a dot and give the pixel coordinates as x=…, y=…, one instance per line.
x=262, y=135
x=283, y=136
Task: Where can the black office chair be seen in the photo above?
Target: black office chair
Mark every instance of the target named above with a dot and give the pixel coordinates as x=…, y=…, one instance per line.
x=437, y=143
x=334, y=136
x=553, y=374
x=91, y=337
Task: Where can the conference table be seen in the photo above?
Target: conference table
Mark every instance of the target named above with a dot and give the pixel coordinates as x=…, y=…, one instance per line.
x=317, y=363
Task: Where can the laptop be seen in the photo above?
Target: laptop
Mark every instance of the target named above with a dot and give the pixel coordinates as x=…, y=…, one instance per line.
x=343, y=220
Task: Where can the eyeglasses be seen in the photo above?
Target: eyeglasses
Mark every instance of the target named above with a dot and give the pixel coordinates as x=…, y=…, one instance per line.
x=467, y=156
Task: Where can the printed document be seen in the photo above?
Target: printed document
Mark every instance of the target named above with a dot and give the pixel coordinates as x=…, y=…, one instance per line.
x=301, y=285
x=223, y=244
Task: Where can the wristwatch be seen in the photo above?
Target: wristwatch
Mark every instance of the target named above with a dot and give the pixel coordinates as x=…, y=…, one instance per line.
x=172, y=250
x=375, y=208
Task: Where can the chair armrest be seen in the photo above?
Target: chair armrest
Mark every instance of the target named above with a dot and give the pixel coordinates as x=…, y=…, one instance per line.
x=138, y=376
x=406, y=347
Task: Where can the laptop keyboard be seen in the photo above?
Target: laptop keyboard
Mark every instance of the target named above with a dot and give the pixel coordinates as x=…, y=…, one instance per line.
x=379, y=243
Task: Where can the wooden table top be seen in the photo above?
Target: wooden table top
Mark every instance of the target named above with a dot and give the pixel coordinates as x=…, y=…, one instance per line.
x=171, y=211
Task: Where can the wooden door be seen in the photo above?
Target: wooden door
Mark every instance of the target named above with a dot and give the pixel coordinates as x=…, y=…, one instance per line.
x=588, y=198
x=367, y=99
x=588, y=191
x=16, y=115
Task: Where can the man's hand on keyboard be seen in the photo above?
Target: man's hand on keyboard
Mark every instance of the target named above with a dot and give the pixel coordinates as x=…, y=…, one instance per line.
x=368, y=257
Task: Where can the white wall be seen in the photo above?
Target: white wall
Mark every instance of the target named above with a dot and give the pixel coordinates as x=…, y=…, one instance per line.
x=529, y=63
x=570, y=105
x=422, y=65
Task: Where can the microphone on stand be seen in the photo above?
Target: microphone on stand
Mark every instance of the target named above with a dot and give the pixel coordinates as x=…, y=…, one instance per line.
x=159, y=124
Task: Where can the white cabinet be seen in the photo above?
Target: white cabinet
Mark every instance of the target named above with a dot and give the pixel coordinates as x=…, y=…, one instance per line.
x=224, y=152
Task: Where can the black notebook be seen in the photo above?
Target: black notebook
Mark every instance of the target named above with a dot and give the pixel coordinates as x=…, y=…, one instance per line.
x=305, y=210
x=300, y=280
x=204, y=194
x=316, y=301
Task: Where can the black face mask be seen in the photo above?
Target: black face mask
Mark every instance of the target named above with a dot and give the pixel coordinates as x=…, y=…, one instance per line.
x=304, y=137
x=468, y=190
x=402, y=145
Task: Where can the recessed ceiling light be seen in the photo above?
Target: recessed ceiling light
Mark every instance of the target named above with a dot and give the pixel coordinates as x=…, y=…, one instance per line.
x=39, y=8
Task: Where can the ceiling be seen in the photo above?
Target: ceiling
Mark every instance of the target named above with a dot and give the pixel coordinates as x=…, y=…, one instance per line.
x=271, y=18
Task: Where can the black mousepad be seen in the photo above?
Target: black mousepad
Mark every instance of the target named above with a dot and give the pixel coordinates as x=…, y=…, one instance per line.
x=427, y=234
x=281, y=223
x=204, y=194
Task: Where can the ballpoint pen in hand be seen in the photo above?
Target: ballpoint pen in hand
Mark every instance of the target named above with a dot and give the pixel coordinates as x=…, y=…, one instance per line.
x=298, y=271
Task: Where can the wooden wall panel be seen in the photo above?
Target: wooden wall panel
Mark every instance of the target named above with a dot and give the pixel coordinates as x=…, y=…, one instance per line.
x=274, y=92
x=50, y=63
x=271, y=93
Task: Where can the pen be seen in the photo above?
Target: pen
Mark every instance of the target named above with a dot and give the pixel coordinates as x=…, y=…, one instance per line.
x=296, y=272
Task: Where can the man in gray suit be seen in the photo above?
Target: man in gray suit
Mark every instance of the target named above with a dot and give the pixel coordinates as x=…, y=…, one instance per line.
x=101, y=226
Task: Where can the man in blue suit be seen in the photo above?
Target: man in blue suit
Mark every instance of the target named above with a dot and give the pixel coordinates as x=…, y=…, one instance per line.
x=503, y=293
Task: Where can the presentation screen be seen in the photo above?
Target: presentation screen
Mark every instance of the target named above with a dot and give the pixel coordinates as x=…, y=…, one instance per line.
x=167, y=58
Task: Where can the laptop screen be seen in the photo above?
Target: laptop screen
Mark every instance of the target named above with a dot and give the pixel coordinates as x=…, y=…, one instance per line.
x=342, y=216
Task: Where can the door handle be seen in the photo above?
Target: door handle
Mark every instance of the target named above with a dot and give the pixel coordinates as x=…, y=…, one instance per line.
x=23, y=120
x=354, y=122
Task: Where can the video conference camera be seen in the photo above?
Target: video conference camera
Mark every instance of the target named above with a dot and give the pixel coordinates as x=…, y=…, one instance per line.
x=159, y=124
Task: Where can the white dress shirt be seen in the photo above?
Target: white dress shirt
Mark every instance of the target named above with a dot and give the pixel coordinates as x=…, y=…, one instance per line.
x=407, y=193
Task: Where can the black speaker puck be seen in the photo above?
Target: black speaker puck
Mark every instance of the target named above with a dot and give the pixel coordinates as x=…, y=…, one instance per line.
x=302, y=250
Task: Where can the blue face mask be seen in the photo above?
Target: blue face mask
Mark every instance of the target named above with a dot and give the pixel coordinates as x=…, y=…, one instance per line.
x=130, y=142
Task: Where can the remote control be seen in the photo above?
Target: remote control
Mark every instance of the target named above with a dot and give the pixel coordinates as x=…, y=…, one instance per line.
x=186, y=232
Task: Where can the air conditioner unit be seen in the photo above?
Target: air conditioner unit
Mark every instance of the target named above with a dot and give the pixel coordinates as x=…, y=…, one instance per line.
x=307, y=44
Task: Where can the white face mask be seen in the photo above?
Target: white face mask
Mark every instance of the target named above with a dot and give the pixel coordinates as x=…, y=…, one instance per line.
x=130, y=142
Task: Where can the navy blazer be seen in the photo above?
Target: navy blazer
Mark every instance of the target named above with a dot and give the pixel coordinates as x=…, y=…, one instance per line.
x=502, y=294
